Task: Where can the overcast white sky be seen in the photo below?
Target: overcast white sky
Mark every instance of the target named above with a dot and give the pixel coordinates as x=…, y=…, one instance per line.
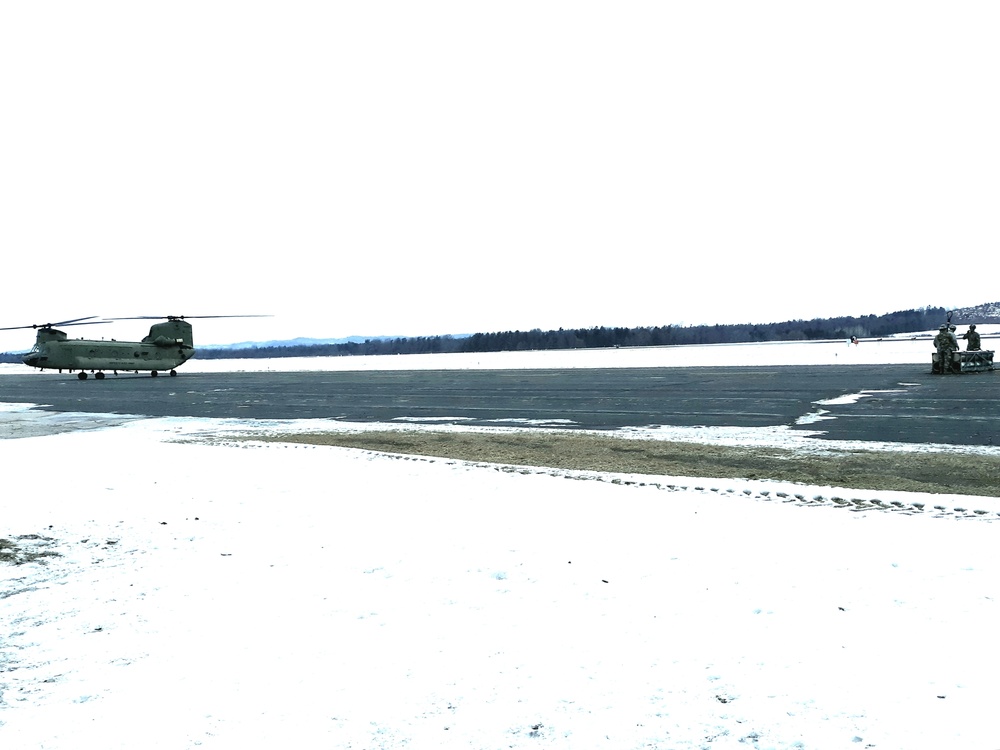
x=413, y=168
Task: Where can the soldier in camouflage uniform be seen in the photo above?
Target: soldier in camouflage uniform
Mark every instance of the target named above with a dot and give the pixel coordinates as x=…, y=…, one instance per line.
x=972, y=336
x=946, y=343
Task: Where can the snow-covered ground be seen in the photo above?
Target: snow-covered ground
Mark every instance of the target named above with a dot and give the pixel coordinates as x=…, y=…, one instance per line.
x=257, y=595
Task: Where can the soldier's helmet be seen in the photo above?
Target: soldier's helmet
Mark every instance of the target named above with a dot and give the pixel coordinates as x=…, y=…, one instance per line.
x=972, y=327
x=943, y=328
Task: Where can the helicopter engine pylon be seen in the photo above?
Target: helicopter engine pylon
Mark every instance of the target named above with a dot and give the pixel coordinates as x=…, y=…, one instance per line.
x=175, y=330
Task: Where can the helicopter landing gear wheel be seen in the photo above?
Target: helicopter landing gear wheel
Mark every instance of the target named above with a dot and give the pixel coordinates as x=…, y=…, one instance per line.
x=173, y=373
x=153, y=373
x=99, y=375
x=82, y=375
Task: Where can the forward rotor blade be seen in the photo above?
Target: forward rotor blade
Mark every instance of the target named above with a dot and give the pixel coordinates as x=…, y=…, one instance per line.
x=88, y=321
x=74, y=321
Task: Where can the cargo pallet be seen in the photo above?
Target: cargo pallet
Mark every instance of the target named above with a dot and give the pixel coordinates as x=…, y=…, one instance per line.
x=981, y=361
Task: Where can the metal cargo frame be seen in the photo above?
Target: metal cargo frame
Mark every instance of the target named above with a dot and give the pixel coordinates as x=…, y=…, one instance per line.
x=978, y=361
x=981, y=361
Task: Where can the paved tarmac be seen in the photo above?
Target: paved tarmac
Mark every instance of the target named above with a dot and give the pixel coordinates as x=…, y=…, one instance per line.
x=903, y=403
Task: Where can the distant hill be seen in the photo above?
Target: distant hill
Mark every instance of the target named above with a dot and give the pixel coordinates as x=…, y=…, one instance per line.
x=988, y=312
x=301, y=341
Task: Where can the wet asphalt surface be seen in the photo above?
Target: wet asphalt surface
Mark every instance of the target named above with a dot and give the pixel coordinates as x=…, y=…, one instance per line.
x=905, y=403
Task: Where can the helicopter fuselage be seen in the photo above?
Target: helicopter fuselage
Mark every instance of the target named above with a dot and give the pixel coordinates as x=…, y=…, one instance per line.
x=83, y=354
x=167, y=346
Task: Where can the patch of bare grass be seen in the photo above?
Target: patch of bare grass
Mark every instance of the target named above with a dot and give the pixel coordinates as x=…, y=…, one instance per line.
x=25, y=549
x=857, y=469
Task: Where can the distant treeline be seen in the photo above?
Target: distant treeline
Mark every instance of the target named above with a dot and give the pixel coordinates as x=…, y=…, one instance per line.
x=867, y=326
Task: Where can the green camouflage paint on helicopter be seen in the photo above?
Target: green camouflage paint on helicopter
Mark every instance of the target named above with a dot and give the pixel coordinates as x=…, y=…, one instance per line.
x=168, y=345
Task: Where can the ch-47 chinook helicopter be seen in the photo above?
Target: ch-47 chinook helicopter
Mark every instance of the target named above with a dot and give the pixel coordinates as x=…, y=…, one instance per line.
x=168, y=345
